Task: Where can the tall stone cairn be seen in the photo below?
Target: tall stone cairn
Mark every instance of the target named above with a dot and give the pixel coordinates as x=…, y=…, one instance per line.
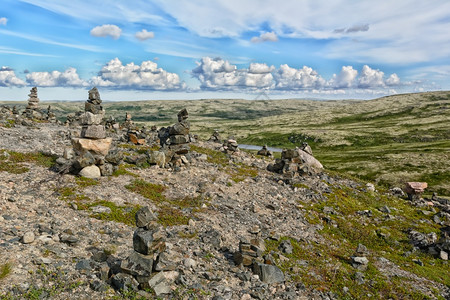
x=93, y=145
x=179, y=137
x=33, y=100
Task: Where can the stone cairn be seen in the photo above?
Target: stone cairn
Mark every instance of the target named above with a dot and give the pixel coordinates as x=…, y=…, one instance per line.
x=295, y=162
x=32, y=109
x=264, y=151
x=215, y=137
x=91, y=150
x=175, y=140
x=231, y=146
x=51, y=117
x=250, y=255
x=148, y=265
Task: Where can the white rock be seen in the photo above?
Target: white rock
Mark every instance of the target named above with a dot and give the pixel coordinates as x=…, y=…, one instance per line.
x=28, y=237
x=370, y=187
x=189, y=263
x=90, y=172
x=443, y=255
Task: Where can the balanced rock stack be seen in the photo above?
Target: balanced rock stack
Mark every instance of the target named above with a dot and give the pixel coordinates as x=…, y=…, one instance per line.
x=179, y=138
x=32, y=109
x=231, y=146
x=147, y=266
x=264, y=151
x=215, y=137
x=93, y=145
x=295, y=162
x=415, y=189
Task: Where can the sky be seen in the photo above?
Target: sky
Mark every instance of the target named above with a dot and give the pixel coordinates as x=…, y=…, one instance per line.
x=196, y=49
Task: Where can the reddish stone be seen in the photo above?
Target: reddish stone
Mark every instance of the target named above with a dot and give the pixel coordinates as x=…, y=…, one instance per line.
x=415, y=187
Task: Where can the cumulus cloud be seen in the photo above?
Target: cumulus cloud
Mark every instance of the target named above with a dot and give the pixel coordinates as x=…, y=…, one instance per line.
x=370, y=78
x=68, y=78
x=3, y=21
x=218, y=74
x=107, y=30
x=144, y=76
x=393, y=80
x=345, y=78
x=288, y=78
x=265, y=37
x=144, y=35
x=8, y=78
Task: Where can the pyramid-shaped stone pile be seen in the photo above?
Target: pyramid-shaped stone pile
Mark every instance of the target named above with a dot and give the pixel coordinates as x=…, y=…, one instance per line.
x=32, y=109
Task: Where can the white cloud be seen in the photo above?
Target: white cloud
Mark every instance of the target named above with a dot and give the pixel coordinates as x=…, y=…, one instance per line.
x=144, y=76
x=218, y=74
x=393, y=80
x=3, y=21
x=345, y=78
x=370, y=78
x=144, y=35
x=68, y=78
x=265, y=37
x=288, y=78
x=107, y=30
x=8, y=78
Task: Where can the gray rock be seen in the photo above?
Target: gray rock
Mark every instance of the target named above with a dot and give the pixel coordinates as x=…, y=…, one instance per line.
x=361, y=249
x=90, y=172
x=124, y=282
x=93, y=132
x=162, y=281
x=268, y=273
x=148, y=241
x=286, y=247
x=156, y=157
x=144, y=216
x=114, y=157
x=99, y=286
x=100, y=209
x=84, y=265
x=106, y=169
x=28, y=237
x=165, y=262
x=443, y=255
x=137, y=264
x=360, y=262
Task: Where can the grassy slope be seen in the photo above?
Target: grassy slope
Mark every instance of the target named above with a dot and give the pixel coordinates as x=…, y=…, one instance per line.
x=388, y=140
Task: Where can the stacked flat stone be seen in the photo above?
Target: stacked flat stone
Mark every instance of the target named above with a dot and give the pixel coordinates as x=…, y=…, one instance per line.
x=148, y=265
x=33, y=100
x=215, y=137
x=32, y=109
x=231, y=146
x=179, y=137
x=93, y=145
x=264, y=151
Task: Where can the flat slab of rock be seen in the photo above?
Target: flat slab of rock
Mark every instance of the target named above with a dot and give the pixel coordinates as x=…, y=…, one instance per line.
x=415, y=187
x=101, y=146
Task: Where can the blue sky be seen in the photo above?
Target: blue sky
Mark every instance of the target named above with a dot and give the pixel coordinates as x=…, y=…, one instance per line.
x=167, y=49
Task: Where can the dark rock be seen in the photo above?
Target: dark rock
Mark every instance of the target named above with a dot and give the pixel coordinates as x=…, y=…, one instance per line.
x=114, y=157
x=268, y=273
x=148, y=241
x=138, y=264
x=106, y=169
x=124, y=282
x=99, y=286
x=144, y=216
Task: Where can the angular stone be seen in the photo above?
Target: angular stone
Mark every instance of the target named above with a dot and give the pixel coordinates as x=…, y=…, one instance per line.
x=182, y=115
x=144, y=216
x=93, y=132
x=106, y=169
x=162, y=281
x=137, y=264
x=165, y=262
x=359, y=262
x=156, y=157
x=180, y=149
x=179, y=139
x=268, y=273
x=148, y=241
x=93, y=108
x=124, y=282
x=89, y=118
x=243, y=259
x=135, y=140
x=114, y=157
x=443, y=255
x=181, y=128
x=90, y=172
x=85, y=159
x=100, y=147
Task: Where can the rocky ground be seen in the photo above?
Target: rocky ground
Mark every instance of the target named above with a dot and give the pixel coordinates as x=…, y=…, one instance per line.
x=64, y=237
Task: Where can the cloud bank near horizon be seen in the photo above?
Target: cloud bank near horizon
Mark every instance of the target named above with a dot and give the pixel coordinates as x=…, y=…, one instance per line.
x=213, y=74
